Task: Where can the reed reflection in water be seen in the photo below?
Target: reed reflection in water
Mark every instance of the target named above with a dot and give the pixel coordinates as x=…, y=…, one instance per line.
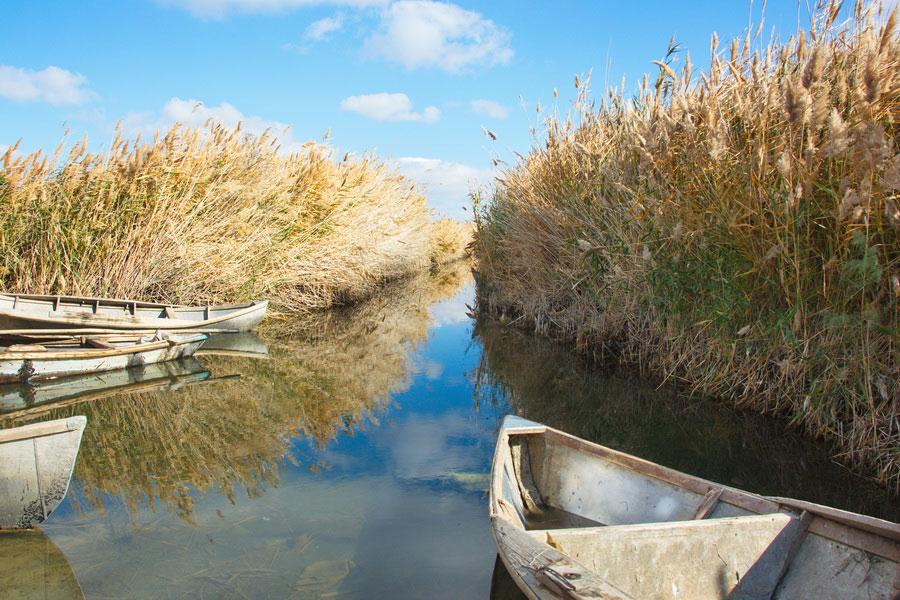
x=546, y=382
x=285, y=482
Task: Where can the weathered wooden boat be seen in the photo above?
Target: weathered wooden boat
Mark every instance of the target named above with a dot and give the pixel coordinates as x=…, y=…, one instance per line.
x=19, y=400
x=32, y=566
x=27, y=362
x=30, y=311
x=36, y=463
x=573, y=519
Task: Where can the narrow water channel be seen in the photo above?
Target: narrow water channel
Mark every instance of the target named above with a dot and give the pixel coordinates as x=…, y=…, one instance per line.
x=348, y=457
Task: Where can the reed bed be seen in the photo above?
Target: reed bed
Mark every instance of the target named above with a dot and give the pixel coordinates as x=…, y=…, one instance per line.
x=209, y=214
x=736, y=229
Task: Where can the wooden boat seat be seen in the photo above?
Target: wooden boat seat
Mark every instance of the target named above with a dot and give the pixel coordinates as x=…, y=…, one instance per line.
x=743, y=557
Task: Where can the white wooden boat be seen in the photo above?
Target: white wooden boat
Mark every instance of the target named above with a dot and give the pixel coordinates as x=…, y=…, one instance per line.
x=36, y=463
x=27, y=362
x=573, y=519
x=30, y=311
x=20, y=399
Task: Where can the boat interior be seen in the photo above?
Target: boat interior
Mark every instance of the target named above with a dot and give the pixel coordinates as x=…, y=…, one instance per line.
x=652, y=532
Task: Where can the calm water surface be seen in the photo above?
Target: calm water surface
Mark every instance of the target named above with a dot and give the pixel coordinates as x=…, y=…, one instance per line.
x=353, y=462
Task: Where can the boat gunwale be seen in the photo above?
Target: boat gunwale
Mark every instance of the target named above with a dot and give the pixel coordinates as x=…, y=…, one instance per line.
x=42, y=429
x=92, y=300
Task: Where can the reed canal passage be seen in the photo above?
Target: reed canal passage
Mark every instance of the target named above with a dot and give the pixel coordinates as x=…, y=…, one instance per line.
x=348, y=457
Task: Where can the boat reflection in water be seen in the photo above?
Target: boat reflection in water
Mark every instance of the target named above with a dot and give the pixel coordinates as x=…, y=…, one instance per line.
x=20, y=400
x=35, y=567
x=245, y=344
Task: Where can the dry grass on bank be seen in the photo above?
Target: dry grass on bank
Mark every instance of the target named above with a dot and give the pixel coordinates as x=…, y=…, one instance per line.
x=206, y=215
x=737, y=229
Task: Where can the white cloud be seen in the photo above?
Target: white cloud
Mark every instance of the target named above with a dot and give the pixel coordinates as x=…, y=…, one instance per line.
x=423, y=33
x=218, y=9
x=489, y=108
x=53, y=85
x=320, y=29
x=454, y=309
x=447, y=183
x=195, y=114
x=389, y=107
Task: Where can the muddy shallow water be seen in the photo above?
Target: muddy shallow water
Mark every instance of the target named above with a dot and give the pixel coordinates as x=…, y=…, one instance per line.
x=350, y=457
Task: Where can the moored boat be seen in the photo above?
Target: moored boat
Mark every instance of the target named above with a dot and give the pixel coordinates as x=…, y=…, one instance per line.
x=573, y=519
x=27, y=362
x=36, y=463
x=31, y=311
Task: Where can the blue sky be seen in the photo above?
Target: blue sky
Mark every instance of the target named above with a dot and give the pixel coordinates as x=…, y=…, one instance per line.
x=415, y=81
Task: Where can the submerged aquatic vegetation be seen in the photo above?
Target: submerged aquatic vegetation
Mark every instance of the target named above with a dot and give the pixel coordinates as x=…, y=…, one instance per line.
x=206, y=215
x=737, y=229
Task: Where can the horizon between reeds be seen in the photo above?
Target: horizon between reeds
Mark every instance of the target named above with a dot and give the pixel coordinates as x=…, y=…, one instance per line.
x=736, y=229
x=213, y=214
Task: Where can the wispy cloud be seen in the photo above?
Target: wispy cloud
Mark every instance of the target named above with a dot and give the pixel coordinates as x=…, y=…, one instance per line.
x=319, y=30
x=195, y=114
x=218, y=9
x=52, y=85
x=447, y=183
x=489, y=108
x=389, y=107
x=413, y=33
x=423, y=33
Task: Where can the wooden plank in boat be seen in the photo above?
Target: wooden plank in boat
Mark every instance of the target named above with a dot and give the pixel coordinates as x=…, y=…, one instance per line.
x=525, y=558
x=708, y=503
x=98, y=343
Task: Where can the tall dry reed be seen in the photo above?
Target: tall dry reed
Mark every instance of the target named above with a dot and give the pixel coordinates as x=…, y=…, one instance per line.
x=736, y=228
x=204, y=215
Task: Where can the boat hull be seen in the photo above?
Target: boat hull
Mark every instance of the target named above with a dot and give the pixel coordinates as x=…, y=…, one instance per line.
x=24, y=311
x=24, y=366
x=36, y=463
